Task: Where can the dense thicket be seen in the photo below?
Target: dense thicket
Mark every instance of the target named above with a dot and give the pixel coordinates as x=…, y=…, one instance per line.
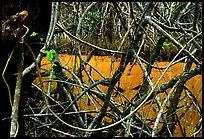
x=69, y=101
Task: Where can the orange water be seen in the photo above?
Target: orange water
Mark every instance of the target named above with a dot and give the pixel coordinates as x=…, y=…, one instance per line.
x=127, y=82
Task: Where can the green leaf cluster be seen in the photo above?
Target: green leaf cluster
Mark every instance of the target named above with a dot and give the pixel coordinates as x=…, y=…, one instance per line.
x=90, y=19
x=34, y=34
x=94, y=14
x=50, y=54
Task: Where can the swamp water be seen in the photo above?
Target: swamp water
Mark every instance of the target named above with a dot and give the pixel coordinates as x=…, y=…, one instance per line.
x=127, y=82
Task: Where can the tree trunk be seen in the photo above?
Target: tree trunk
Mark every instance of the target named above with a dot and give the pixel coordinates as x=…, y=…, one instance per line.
x=37, y=20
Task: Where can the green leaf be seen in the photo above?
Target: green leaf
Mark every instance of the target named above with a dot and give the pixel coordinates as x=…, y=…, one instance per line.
x=154, y=110
x=53, y=77
x=86, y=24
x=46, y=52
x=50, y=69
x=33, y=34
x=50, y=56
x=52, y=86
x=165, y=44
x=41, y=39
x=87, y=18
x=86, y=31
x=53, y=51
x=98, y=15
x=54, y=65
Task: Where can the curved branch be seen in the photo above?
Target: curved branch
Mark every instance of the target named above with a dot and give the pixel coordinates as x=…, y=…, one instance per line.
x=89, y=44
